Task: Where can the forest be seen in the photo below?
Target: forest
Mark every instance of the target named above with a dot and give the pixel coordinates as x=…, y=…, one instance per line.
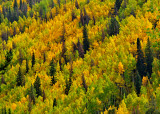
x=80, y=56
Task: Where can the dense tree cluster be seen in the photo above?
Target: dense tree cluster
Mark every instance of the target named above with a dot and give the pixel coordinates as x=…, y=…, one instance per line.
x=82, y=56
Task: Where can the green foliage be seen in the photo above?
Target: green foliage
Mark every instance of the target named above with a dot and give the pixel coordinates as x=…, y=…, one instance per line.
x=149, y=57
x=141, y=67
x=20, y=78
x=37, y=85
x=113, y=27
x=85, y=39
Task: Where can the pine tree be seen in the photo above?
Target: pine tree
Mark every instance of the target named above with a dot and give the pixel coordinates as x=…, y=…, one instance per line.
x=141, y=67
x=113, y=27
x=54, y=102
x=85, y=40
x=149, y=58
x=15, y=5
x=19, y=79
x=37, y=85
x=67, y=87
x=80, y=49
x=76, y=4
x=84, y=83
x=138, y=83
x=52, y=72
x=21, y=5
x=52, y=4
x=118, y=4
x=73, y=15
x=59, y=3
x=27, y=67
x=33, y=59
x=9, y=111
x=8, y=57
x=9, y=15
x=32, y=94
x=30, y=3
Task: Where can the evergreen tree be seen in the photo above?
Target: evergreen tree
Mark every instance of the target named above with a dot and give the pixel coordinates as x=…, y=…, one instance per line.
x=32, y=94
x=37, y=85
x=80, y=49
x=113, y=27
x=9, y=15
x=52, y=72
x=15, y=5
x=27, y=67
x=19, y=78
x=54, y=102
x=85, y=40
x=52, y=4
x=59, y=3
x=76, y=4
x=73, y=15
x=9, y=111
x=141, y=67
x=67, y=87
x=30, y=3
x=149, y=58
x=21, y=5
x=138, y=82
x=33, y=59
x=30, y=105
x=8, y=57
x=86, y=17
x=84, y=83
x=118, y=4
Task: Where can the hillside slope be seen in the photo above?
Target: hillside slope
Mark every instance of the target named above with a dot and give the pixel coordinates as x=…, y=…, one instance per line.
x=83, y=56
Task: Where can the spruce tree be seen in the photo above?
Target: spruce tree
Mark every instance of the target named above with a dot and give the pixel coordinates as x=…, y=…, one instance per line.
x=15, y=5
x=52, y=72
x=21, y=5
x=33, y=59
x=80, y=49
x=141, y=67
x=9, y=111
x=113, y=27
x=85, y=40
x=37, y=85
x=138, y=82
x=32, y=94
x=67, y=87
x=76, y=4
x=149, y=58
x=52, y=4
x=54, y=102
x=19, y=79
x=8, y=57
x=30, y=3
x=84, y=83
